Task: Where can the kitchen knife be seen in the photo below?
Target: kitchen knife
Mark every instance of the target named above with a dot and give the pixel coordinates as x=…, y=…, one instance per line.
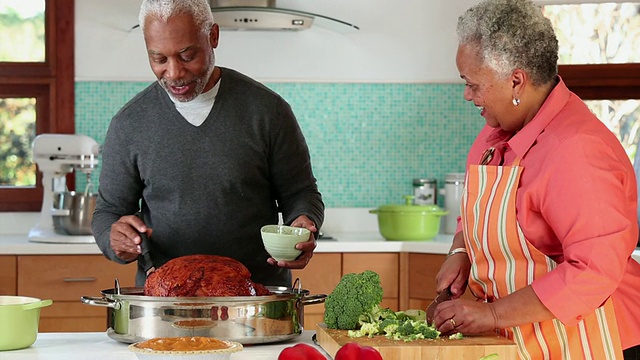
x=145, y=257
x=431, y=309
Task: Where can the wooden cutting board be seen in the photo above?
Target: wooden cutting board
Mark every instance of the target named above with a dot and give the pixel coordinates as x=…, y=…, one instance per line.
x=468, y=348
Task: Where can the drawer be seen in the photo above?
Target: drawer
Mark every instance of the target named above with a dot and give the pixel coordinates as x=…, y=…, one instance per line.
x=72, y=316
x=8, y=275
x=68, y=277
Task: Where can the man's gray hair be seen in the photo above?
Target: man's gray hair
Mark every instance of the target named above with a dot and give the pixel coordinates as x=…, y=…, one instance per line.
x=509, y=35
x=164, y=9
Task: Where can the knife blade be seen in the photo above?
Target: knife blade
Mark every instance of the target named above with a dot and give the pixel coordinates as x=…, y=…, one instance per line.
x=431, y=309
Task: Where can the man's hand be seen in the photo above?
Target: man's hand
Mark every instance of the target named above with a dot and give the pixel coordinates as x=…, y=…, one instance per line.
x=125, y=238
x=307, y=247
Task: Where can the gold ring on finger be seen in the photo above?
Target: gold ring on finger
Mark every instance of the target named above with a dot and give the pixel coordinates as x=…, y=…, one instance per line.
x=453, y=323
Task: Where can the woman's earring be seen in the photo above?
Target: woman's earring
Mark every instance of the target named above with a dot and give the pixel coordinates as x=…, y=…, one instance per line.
x=516, y=101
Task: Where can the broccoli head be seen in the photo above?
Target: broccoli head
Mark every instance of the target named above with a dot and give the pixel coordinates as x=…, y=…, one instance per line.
x=355, y=295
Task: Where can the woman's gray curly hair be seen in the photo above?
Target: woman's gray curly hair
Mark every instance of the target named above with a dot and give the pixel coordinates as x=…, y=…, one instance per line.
x=509, y=35
x=164, y=9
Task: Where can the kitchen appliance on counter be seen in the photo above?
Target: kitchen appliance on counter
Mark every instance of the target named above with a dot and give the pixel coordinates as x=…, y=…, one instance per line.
x=65, y=215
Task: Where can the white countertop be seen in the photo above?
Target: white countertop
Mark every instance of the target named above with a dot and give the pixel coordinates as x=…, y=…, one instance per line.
x=346, y=242
x=355, y=229
x=98, y=346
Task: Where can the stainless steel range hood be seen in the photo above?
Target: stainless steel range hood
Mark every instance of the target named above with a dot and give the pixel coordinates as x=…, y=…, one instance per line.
x=264, y=15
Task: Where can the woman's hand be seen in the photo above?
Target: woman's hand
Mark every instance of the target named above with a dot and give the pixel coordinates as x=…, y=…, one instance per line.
x=476, y=317
x=454, y=272
x=307, y=247
x=465, y=316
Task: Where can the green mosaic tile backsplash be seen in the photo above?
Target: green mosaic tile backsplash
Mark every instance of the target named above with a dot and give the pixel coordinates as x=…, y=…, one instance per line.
x=367, y=141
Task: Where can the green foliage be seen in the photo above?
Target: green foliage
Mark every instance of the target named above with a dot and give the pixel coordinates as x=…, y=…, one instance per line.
x=22, y=37
x=17, y=131
x=354, y=296
x=23, y=40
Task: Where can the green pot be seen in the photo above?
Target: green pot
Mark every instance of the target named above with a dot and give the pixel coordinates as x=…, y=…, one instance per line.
x=19, y=320
x=409, y=222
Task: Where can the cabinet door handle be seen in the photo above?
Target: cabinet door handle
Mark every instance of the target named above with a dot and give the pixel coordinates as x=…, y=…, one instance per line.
x=79, y=279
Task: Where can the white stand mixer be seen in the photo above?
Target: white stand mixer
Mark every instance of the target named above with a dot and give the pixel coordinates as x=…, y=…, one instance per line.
x=57, y=155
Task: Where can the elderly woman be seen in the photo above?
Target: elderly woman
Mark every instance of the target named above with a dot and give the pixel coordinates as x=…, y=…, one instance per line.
x=548, y=219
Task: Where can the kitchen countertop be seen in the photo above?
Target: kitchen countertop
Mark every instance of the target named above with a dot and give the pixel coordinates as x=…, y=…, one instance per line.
x=18, y=244
x=98, y=346
x=352, y=230
x=346, y=242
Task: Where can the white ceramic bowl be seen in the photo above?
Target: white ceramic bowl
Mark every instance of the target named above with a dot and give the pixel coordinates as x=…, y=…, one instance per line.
x=280, y=240
x=146, y=350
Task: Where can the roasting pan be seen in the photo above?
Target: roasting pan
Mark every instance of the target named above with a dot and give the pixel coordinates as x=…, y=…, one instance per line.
x=134, y=317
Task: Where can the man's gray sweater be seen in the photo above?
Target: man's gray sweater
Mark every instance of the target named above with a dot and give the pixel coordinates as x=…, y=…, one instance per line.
x=207, y=189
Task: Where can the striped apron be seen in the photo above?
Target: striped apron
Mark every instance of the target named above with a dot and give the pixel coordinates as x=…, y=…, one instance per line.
x=503, y=261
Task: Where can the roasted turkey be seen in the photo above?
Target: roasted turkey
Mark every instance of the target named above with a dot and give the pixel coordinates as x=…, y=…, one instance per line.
x=202, y=275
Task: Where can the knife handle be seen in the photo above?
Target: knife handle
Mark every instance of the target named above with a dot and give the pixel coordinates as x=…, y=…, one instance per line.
x=147, y=263
x=144, y=245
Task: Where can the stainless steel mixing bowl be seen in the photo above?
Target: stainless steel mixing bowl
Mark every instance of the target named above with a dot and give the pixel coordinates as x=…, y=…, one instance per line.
x=72, y=212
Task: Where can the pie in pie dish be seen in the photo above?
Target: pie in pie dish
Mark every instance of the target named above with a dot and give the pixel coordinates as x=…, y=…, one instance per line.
x=189, y=347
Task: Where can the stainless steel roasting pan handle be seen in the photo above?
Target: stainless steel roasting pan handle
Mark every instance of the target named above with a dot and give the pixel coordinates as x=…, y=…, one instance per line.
x=100, y=301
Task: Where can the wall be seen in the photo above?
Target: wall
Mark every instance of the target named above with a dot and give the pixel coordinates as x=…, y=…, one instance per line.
x=378, y=107
x=399, y=41
x=367, y=141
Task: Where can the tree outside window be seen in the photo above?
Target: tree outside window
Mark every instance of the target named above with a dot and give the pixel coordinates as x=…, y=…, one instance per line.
x=604, y=33
x=36, y=91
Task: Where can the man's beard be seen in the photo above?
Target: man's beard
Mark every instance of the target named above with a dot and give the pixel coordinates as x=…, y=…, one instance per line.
x=201, y=83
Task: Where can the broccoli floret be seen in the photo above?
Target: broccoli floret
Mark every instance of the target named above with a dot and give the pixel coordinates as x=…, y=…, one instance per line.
x=355, y=295
x=410, y=330
x=427, y=332
x=376, y=314
x=406, y=328
x=388, y=326
x=456, y=336
x=367, y=329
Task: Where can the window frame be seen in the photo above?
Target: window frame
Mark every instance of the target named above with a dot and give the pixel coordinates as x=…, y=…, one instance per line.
x=52, y=83
x=602, y=81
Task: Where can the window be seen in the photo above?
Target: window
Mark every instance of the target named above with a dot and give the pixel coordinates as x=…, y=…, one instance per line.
x=599, y=61
x=36, y=91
